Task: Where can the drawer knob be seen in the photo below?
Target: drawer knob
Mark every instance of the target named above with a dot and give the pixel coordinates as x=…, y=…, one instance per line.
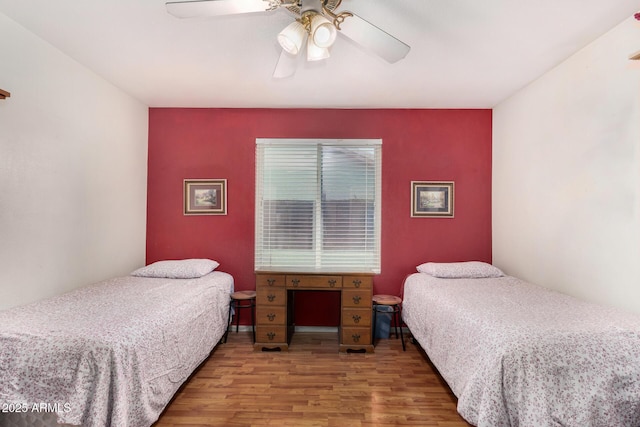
x=271, y=336
x=295, y=282
x=356, y=337
x=271, y=317
x=271, y=282
x=357, y=283
x=271, y=297
x=332, y=283
x=356, y=299
x=356, y=318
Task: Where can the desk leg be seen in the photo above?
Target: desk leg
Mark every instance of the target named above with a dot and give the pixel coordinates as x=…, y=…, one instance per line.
x=373, y=327
x=291, y=317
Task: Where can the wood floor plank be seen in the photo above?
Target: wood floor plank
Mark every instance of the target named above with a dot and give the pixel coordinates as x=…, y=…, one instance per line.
x=314, y=385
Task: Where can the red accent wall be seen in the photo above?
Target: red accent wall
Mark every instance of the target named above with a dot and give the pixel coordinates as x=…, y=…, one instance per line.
x=418, y=145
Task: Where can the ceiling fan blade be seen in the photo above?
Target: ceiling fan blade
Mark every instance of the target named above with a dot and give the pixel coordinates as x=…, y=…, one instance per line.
x=373, y=38
x=199, y=8
x=286, y=66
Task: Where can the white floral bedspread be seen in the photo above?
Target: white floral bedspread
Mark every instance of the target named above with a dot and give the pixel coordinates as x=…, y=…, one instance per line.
x=113, y=353
x=516, y=354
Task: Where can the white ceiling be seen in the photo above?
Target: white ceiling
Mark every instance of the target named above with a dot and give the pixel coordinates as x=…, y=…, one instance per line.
x=464, y=53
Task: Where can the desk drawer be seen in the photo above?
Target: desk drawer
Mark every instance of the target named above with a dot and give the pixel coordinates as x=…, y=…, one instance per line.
x=356, y=336
x=271, y=316
x=299, y=281
x=356, y=298
x=271, y=334
x=357, y=282
x=356, y=317
x=270, y=280
x=266, y=296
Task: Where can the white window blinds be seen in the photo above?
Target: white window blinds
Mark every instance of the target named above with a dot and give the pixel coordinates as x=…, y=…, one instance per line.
x=318, y=205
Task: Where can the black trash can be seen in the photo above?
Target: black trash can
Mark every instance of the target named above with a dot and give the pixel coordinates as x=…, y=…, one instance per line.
x=383, y=321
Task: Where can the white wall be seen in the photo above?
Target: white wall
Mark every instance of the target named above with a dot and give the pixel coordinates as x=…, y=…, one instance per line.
x=73, y=167
x=566, y=175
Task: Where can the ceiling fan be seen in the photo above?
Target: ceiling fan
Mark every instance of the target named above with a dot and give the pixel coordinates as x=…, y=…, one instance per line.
x=315, y=28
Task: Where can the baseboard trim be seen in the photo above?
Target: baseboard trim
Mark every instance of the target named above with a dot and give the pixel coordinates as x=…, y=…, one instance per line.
x=327, y=329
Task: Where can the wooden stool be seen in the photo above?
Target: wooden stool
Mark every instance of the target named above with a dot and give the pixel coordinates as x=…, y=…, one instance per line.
x=388, y=301
x=240, y=300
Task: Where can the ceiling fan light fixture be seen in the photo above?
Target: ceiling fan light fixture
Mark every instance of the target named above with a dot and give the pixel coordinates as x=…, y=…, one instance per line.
x=317, y=25
x=292, y=37
x=315, y=52
x=322, y=31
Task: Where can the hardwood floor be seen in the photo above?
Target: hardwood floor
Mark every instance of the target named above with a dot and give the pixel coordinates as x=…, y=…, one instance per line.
x=313, y=385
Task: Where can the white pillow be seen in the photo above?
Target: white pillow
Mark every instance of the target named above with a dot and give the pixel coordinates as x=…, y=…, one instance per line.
x=178, y=269
x=460, y=270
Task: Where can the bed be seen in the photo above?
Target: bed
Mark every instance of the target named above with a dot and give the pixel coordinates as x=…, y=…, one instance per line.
x=112, y=353
x=517, y=354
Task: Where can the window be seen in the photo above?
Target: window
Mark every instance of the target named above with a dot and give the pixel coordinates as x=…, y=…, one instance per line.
x=318, y=205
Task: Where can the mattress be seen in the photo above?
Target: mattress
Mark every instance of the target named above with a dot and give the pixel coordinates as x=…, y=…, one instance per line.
x=516, y=354
x=113, y=353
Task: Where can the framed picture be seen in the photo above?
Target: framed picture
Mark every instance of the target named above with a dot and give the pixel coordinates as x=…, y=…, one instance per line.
x=430, y=199
x=205, y=196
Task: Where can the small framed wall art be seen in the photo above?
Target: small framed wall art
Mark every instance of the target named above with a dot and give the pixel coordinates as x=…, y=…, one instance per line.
x=205, y=196
x=432, y=199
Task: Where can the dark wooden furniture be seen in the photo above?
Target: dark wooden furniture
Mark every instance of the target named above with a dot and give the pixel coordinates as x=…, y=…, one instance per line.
x=240, y=300
x=394, y=303
x=275, y=321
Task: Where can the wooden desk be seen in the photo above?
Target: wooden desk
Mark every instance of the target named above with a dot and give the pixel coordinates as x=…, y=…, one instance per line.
x=274, y=310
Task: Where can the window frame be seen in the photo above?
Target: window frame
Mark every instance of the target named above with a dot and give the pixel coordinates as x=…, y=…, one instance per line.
x=285, y=260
